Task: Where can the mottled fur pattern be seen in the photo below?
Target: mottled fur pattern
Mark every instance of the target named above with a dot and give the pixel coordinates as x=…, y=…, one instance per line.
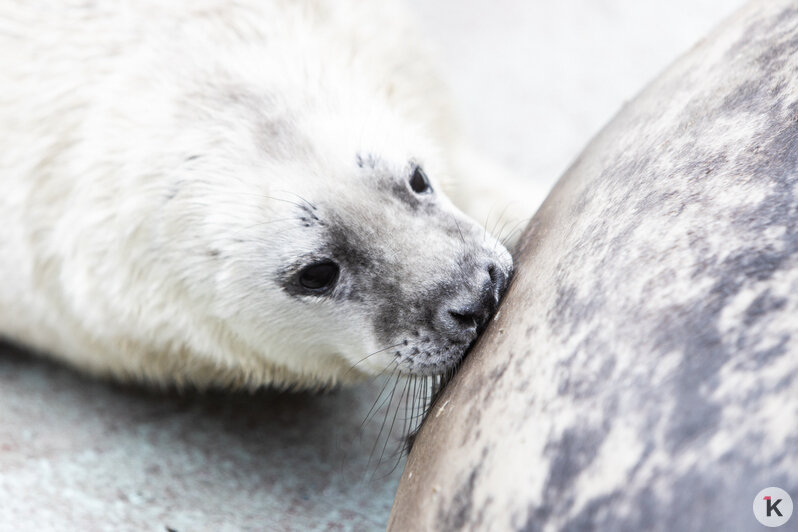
x=643, y=371
x=168, y=166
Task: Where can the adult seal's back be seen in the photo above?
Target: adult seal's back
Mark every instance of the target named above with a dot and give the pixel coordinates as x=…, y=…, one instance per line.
x=643, y=373
x=239, y=193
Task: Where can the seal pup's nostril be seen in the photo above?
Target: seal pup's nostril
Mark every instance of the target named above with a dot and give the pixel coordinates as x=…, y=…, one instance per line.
x=498, y=278
x=466, y=317
x=476, y=302
x=477, y=312
x=492, y=272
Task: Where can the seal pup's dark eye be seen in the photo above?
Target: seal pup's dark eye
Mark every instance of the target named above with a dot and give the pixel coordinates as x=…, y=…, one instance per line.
x=419, y=182
x=319, y=277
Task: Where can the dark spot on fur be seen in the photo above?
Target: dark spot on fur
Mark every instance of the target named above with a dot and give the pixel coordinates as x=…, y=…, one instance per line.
x=366, y=160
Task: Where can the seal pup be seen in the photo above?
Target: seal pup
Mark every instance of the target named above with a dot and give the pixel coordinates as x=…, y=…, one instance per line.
x=236, y=193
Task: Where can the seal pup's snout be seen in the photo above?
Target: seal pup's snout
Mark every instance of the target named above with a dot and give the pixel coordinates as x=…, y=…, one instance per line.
x=463, y=316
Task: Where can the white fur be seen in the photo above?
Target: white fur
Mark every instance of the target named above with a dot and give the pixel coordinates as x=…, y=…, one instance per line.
x=109, y=260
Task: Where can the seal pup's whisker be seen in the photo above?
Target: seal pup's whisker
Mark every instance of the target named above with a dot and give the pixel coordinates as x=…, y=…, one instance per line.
x=393, y=422
x=462, y=238
x=309, y=203
x=485, y=225
x=520, y=225
x=371, y=355
x=374, y=407
x=259, y=224
x=259, y=194
x=404, y=404
x=408, y=422
x=425, y=404
x=501, y=230
x=499, y=218
x=413, y=404
x=379, y=395
x=400, y=452
x=384, y=421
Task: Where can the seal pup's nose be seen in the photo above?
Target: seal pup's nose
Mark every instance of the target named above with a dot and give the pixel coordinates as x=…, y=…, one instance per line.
x=464, y=319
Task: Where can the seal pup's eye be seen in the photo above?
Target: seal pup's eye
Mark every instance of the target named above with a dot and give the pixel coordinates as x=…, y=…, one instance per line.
x=319, y=277
x=419, y=182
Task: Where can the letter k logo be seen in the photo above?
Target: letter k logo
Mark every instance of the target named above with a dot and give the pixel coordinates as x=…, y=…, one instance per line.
x=772, y=506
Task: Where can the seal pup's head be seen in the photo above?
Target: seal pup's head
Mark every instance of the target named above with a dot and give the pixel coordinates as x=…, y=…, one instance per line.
x=394, y=268
x=338, y=254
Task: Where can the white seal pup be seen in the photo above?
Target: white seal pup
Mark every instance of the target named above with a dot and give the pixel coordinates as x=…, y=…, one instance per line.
x=235, y=193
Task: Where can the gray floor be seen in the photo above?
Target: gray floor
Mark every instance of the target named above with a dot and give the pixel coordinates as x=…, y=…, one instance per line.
x=77, y=454
x=535, y=80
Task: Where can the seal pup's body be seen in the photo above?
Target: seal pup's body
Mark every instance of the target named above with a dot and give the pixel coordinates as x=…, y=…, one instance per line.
x=172, y=172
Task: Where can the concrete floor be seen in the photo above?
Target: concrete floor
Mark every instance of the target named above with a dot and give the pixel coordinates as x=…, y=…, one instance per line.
x=77, y=454
x=536, y=80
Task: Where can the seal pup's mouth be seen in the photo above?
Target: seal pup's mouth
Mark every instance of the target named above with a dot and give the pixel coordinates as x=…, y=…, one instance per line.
x=436, y=383
x=455, y=321
x=419, y=393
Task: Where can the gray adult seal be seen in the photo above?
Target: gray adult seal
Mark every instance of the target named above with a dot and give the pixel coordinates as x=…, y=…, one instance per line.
x=641, y=374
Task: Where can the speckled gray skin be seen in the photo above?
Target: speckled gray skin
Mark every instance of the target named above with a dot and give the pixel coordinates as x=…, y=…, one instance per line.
x=641, y=373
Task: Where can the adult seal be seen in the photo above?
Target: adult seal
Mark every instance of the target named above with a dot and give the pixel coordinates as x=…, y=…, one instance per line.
x=236, y=194
x=643, y=371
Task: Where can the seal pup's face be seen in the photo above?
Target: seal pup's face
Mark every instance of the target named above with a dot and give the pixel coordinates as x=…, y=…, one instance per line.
x=409, y=277
x=349, y=258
